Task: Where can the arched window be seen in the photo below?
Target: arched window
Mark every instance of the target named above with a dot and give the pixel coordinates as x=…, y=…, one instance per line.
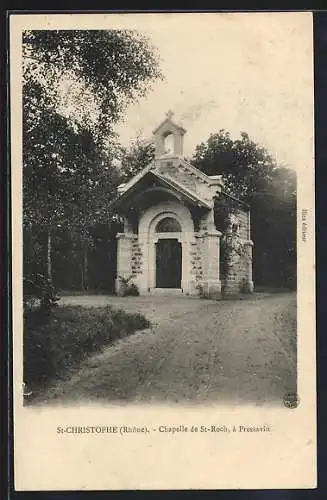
x=168, y=225
x=169, y=140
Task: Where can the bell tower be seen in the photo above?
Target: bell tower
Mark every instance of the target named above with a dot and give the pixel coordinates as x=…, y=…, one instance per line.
x=169, y=138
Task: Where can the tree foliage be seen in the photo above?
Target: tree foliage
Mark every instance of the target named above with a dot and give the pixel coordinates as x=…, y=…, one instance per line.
x=76, y=86
x=251, y=174
x=94, y=73
x=136, y=157
x=246, y=167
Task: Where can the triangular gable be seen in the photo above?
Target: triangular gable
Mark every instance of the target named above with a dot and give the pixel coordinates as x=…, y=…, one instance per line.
x=174, y=186
x=171, y=124
x=183, y=190
x=177, y=162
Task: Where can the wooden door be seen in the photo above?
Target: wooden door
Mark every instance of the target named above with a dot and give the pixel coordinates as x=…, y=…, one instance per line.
x=168, y=263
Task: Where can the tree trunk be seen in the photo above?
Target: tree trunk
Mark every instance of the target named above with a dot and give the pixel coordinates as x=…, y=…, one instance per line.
x=49, y=252
x=84, y=267
x=82, y=274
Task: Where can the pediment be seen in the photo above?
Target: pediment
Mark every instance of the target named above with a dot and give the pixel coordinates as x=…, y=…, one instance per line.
x=152, y=183
x=176, y=177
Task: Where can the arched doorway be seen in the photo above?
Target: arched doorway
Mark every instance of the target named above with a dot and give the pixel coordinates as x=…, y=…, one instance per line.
x=167, y=220
x=168, y=253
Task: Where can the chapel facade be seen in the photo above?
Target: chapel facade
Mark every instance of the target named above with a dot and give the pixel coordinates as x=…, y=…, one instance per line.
x=171, y=242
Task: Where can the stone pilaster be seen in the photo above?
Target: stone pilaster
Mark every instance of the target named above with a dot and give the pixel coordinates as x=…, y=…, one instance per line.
x=249, y=282
x=187, y=283
x=142, y=280
x=124, y=259
x=211, y=284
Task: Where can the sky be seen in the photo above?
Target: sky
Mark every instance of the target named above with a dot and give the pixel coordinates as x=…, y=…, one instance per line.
x=240, y=72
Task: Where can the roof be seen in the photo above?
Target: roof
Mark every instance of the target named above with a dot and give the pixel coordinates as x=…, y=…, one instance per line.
x=200, y=175
x=174, y=125
x=175, y=187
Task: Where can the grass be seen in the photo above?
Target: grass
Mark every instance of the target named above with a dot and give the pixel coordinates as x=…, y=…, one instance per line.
x=54, y=345
x=78, y=293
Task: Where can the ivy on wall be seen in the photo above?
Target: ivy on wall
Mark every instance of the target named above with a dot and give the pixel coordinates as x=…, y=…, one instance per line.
x=230, y=243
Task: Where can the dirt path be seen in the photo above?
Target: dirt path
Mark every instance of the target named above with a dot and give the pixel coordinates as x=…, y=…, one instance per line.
x=197, y=350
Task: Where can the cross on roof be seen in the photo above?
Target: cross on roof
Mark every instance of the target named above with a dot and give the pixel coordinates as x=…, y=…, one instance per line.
x=170, y=114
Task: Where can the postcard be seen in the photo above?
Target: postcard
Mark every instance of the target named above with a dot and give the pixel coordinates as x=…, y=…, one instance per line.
x=162, y=196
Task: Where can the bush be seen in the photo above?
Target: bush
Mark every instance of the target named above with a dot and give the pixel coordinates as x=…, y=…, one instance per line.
x=70, y=334
x=39, y=294
x=127, y=287
x=131, y=290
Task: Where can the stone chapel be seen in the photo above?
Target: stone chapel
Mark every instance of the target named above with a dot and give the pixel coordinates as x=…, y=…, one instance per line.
x=170, y=241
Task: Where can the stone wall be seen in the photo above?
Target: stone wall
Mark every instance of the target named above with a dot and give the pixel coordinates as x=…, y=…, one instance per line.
x=196, y=263
x=136, y=259
x=124, y=245
x=237, y=278
x=244, y=224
